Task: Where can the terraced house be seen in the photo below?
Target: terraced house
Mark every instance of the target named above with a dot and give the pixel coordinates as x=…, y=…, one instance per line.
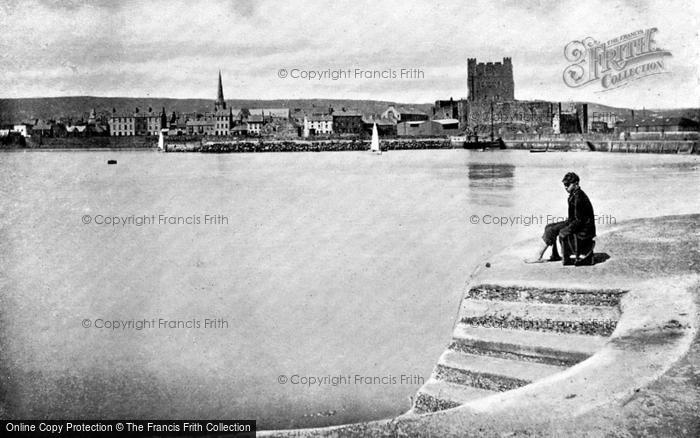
x=318, y=124
x=138, y=123
x=122, y=125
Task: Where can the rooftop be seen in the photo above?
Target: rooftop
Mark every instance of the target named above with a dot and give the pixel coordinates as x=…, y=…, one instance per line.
x=320, y=118
x=351, y=113
x=446, y=121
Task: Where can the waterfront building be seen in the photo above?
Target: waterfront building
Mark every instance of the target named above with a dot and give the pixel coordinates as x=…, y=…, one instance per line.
x=385, y=127
x=318, y=124
x=429, y=128
x=222, y=121
x=122, y=125
x=138, y=123
x=240, y=129
x=347, y=122
x=43, y=128
x=76, y=130
x=403, y=114
x=256, y=119
x=150, y=123
x=255, y=123
x=202, y=126
x=24, y=129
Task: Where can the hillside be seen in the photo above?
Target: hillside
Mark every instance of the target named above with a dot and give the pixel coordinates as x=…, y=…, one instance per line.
x=626, y=113
x=77, y=107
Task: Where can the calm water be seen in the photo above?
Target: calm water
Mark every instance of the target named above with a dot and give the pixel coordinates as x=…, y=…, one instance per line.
x=331, y=264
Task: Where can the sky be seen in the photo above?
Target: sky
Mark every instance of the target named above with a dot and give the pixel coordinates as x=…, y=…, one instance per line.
x=176, y=48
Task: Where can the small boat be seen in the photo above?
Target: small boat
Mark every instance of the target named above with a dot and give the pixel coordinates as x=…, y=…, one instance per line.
x=483, y=145
x=111, y=161
x=532, y=151
x=374, y=147
x=458, y=141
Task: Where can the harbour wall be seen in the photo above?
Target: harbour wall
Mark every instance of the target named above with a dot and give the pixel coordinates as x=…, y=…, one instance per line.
x=589, y=142
x=302, y=146
x=131, y=142
x=628, y=146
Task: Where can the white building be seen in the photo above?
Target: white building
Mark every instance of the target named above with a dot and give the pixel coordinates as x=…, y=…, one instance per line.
x=24, y=129
x=318, y=124
x=255, y=123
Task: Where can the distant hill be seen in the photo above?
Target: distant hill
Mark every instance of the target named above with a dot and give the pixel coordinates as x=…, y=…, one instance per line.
x=626, y=113
x=77, y=107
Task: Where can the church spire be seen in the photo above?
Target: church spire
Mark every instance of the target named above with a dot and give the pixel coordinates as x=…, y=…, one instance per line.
x=220, y=102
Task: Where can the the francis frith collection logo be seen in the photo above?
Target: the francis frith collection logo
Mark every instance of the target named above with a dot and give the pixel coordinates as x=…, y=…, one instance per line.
x=614, y=63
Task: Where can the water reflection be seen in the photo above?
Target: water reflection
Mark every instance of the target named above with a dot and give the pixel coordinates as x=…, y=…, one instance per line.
x=490, y=184
x=490, y=174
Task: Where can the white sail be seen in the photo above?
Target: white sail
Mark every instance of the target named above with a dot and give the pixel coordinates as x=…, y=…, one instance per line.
x=161, y=141
x=375, y=140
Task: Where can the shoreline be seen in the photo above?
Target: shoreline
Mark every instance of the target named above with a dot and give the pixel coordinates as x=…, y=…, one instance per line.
x=204, y=145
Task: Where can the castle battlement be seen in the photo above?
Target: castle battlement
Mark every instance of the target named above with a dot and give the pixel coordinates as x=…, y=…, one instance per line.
x=490, y=81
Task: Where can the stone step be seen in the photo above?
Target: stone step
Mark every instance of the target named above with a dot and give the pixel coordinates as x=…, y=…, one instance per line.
x=437, y=395
x=563, y=349
x=589, y=297
x=490, y=373
x=562, y=318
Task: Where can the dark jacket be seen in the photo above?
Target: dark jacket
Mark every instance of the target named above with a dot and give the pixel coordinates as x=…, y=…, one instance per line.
x=581, y=218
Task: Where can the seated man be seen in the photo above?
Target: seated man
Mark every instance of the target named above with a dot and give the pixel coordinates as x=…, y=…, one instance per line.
x=580, y=222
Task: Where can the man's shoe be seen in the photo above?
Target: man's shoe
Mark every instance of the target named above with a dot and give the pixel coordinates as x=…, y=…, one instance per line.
x=567, y=262
x=555, y=259
x=586, y=261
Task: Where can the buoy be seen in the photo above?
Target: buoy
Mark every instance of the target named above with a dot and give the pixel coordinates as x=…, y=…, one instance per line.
x=111, y=161
x=488, y=265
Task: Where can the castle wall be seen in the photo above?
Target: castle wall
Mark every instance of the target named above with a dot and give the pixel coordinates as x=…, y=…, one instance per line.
x=523, y=116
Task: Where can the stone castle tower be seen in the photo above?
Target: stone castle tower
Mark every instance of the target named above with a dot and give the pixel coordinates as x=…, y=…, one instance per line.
x=491, y=81
x=220, y=103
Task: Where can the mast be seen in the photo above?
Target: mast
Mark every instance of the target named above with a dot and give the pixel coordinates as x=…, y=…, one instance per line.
x=491, y=119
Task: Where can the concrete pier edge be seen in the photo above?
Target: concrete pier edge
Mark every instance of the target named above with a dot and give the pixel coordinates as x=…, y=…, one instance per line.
x=656, y=261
